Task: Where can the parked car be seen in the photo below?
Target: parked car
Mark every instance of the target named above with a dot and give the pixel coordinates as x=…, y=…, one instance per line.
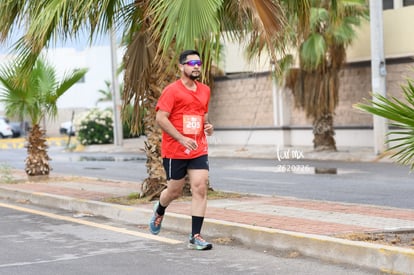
x=67, y=128
x=16, y=129
x=5, y=129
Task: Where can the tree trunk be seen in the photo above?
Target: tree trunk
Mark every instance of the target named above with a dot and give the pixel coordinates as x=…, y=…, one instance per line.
x=37, y=161
x=156, y=180
x=324, y=133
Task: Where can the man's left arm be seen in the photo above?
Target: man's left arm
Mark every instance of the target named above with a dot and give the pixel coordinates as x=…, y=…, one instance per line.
x=208, y=127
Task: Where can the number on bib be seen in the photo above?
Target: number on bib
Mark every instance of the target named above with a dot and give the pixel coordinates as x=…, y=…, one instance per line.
x=192, y=124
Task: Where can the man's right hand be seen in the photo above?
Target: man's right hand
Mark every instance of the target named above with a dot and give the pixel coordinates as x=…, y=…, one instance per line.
x=188, y=143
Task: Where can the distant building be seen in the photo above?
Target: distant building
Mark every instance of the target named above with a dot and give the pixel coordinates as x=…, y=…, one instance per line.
x=249, y=108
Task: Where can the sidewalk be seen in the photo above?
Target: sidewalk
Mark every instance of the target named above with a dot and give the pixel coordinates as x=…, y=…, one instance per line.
x=254, y=151
x=307, y=226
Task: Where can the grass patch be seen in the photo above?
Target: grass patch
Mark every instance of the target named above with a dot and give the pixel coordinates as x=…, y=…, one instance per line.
x=399, y=238
x=6, y=175
x=134, y=198
x=215, y=195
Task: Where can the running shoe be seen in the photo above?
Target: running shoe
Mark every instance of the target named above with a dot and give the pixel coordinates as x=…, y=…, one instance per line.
x=198, y=243
x=156, y=220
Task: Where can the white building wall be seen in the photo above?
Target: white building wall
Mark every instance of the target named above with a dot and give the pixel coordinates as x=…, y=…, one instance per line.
x=81, y=94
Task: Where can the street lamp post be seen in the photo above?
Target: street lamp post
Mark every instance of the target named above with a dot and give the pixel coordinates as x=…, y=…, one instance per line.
x=118, y=135
x=378, y=71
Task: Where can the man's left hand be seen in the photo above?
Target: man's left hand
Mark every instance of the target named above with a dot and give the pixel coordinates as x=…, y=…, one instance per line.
x=208, y=129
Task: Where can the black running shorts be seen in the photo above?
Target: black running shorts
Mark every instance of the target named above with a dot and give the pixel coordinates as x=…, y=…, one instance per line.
x=176, y=169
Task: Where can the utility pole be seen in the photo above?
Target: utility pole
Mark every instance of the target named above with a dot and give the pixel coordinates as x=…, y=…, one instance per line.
x=118, y=135
x=276, y=120
x=378, y=71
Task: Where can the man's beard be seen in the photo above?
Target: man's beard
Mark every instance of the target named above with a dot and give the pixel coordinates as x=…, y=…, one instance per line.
x=191, y=76
x=194, y=77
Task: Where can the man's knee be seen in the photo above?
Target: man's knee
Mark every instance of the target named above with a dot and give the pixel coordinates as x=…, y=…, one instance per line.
x=199, y=186
x=175, y=188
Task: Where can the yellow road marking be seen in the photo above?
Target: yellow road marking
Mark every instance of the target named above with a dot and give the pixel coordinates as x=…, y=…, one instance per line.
x=92, y=224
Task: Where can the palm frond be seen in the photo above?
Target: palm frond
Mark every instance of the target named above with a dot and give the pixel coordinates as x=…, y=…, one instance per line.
x=265, y=26
x=183, y=23
x=69, y=79
x=12, y=15
x=300, y=9
x=401, y=115
x=313, y=51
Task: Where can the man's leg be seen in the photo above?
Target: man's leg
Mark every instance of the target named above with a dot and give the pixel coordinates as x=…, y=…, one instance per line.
x=176, y=171
x=199, y=185
x=173, y=191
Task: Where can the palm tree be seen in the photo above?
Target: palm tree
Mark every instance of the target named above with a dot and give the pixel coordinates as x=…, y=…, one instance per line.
x=155, y=32
x=168, y=28
x=34, y=95
x=322, y=52
x=401, y=115
x=106, y=94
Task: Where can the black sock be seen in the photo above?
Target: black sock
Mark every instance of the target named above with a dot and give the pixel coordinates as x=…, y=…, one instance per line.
x=197, y=223
x=161, y=209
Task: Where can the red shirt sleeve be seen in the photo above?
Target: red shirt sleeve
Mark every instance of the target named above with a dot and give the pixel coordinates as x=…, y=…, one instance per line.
x=166, y=100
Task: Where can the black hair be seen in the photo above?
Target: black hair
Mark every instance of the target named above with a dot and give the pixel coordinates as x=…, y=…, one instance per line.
x=184, y=54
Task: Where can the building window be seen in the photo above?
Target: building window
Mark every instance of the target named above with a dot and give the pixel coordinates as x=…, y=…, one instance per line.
x=408, y=3
x=387, y=4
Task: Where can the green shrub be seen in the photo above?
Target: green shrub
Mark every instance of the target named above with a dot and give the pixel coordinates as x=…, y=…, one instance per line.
x=95, y=127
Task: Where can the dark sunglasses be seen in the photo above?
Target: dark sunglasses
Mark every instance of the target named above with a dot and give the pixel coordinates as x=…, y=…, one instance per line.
x=192, y=63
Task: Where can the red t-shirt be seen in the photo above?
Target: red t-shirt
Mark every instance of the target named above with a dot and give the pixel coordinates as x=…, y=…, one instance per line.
x=187, y=109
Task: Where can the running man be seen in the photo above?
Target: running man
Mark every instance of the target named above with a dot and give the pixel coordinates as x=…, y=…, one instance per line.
x=182, y=114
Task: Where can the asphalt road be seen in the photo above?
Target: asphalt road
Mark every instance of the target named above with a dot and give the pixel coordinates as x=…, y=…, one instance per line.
x=375, y=183
x=35, y=240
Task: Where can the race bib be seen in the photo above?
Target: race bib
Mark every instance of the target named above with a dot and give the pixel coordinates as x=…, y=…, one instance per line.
x=192, y=124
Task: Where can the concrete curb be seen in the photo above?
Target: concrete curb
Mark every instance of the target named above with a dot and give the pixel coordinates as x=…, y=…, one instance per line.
x=379, y=257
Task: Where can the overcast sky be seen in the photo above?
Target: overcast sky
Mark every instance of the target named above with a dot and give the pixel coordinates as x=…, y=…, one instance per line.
x=79, y=44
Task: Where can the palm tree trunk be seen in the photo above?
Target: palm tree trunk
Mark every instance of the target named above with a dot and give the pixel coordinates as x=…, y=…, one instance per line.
x=37, y=161
x=156, y=180
x=316, y=92
x=324, y=133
